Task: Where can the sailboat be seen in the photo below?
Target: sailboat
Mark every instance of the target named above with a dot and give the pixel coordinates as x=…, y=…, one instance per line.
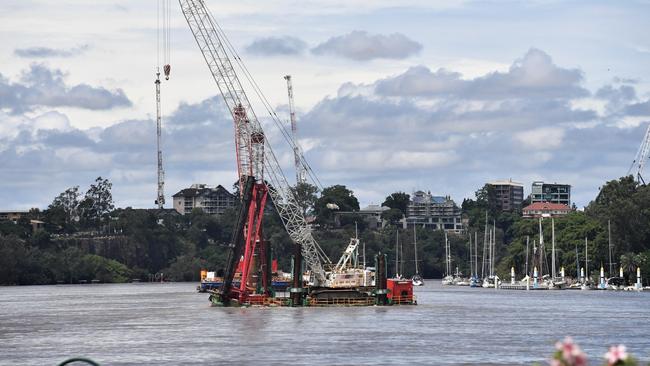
x=492, y=280
x=416, y=279
x=448, y=279
x=554, y=283
x=586, y=284
x=613, y=282
x=575, y=284
x=526, y=279
x=474, y=281
x=460, y=280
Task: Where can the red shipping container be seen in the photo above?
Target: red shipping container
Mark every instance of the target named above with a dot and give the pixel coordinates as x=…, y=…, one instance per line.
x=400, y=291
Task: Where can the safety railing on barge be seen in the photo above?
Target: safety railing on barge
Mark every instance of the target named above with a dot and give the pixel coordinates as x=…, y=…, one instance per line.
x=366, y=301
x=404, y=300
x=267, y=301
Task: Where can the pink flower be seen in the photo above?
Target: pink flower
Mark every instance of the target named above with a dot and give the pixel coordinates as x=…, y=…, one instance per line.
x=580, y=359
x=569, y=354
x=568, y=349
x=616, y=354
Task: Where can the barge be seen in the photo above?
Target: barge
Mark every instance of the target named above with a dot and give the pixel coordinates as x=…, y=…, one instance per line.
x=346, y=286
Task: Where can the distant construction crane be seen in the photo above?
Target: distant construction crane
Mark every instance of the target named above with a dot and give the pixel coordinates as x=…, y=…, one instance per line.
x=641, y=158
x=160, y=198
x=165, y=16
x=301, y=173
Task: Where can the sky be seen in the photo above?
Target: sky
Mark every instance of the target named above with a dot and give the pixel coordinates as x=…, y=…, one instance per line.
x=440, y=96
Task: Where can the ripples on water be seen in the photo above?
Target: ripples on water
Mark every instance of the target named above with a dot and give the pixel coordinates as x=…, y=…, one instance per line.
x=172, y=324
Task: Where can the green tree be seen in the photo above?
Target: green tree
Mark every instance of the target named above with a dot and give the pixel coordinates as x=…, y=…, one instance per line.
x=185, y=268
x=627, y=206
x=631, y=261
x=63, y=211
x=8, y=228
x=399, y=201
x=306, y=194
x=486, y=198
x=12, y=255
x=338, y=195
x=392, y=216
x=97, y=202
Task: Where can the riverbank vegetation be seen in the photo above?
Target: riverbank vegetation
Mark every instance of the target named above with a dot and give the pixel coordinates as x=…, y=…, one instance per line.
x=84, y=237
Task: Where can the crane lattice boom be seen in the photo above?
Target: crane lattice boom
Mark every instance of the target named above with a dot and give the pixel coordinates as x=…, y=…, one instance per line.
x=642, y=157
x=254, y=154
x=301, y=174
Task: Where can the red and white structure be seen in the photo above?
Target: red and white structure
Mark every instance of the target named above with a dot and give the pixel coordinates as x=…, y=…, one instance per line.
x=255, y=158
x=545, y=209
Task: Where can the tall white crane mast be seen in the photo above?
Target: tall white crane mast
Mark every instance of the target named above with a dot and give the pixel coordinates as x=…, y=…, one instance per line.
x=301, y=173
x=212, y=43
x=165, y=16
x=160, y=198
x=641, y=157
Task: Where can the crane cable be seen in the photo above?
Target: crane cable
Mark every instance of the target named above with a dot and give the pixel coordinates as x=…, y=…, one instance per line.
x=228, y=47
x=267, y=105
x=164, y=17
x=274, y=117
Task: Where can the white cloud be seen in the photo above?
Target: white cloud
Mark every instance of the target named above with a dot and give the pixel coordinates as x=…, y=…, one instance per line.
x=42, y=86
x=546, y=138
x=533, y=76
x=47, y=52
x=274, y=46
x=51, y=120
x=362, y=46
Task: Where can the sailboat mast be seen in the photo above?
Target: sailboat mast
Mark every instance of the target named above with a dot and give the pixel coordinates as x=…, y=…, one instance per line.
x=541, y=248
x=449, y=251
x=609, y=235
x=401, y=257
x=471, y=267
x=415, y=247
x=448, y=267
x=494, y=246
x=397, y=254
x=553, y=247
x=485, y=238
x=446, y=257
x=577, y=263
x=490, y=253
x=586, y=261
x=527, y=242
x=476, y=253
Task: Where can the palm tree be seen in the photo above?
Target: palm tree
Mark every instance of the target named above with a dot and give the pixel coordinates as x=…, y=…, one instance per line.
x=628, y=262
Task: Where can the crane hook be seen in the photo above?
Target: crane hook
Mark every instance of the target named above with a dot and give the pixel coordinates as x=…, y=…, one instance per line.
x=167, y=69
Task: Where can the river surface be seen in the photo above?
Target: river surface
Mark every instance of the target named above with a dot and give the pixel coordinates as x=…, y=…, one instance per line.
x=171, y=324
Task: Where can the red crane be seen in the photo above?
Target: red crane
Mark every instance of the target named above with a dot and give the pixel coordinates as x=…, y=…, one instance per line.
x=260, y=174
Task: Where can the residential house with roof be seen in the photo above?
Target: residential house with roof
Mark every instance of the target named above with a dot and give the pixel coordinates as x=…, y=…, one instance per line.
x=434, y=212
x=545, y=209
x=212, y=200
x=370, y=214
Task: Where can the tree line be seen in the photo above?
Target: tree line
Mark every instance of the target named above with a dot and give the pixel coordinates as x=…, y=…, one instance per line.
x=86, y=238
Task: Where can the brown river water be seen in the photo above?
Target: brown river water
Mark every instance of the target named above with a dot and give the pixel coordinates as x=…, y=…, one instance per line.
x=171, y=324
